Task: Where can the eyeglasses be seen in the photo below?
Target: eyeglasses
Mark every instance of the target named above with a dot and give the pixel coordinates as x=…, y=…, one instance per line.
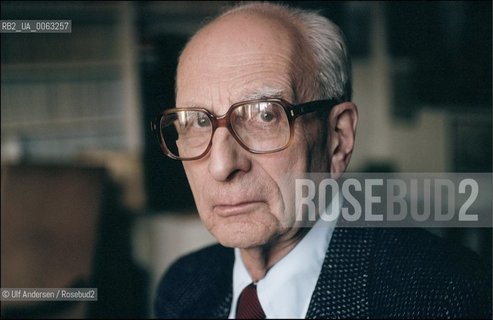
x=259, y=126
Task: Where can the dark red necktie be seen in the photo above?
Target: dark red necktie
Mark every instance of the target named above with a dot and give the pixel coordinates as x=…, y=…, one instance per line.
x=248, y=305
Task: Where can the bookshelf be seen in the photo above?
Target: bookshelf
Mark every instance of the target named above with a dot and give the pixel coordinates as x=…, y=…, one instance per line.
x=66, y=94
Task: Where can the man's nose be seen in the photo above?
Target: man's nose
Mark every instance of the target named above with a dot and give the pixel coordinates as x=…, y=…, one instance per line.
x=227, y=157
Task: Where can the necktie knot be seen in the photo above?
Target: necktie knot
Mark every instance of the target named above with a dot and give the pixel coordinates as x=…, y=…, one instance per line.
x=248, y=305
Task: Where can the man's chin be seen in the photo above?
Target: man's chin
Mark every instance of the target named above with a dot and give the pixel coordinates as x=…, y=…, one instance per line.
x=241, y=236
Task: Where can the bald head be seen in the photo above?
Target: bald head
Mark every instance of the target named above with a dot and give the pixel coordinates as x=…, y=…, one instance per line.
x=319, y=60
x=264, y=37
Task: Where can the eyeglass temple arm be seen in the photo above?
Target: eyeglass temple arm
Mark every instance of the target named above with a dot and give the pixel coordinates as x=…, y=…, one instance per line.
x=312, y=106
x=154, y=127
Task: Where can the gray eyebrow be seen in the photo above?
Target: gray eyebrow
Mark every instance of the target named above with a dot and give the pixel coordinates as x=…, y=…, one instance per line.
x=264, y=92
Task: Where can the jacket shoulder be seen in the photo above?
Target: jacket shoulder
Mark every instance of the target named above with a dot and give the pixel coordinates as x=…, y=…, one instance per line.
x=195, y=283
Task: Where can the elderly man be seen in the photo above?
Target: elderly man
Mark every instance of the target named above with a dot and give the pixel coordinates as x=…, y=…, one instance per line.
x=264, y=90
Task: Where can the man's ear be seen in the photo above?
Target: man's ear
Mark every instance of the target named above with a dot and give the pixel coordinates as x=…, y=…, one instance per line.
x=343, y=119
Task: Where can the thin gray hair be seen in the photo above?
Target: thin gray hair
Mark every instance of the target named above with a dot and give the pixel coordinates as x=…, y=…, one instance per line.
x=326, y=44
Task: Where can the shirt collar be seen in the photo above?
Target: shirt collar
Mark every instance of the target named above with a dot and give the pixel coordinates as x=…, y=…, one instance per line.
x=286, y=290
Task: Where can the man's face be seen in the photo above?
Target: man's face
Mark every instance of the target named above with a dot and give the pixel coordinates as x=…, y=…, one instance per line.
x=237, y=193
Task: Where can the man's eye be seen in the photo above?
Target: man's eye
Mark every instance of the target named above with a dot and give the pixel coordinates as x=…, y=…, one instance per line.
x=203, y=121
x=267, y=116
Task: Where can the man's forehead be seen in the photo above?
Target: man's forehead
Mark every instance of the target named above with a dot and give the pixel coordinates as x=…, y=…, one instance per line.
x=239, y=83
x=239, y=57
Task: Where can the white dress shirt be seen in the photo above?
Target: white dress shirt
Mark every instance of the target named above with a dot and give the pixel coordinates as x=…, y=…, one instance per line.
x=286, y=289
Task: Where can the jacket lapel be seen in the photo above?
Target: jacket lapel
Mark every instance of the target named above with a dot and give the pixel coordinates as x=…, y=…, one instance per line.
x=222, y=310
x=342, y=288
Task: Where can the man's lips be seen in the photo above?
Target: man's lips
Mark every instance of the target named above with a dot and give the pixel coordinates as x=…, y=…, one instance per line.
x=228, y=210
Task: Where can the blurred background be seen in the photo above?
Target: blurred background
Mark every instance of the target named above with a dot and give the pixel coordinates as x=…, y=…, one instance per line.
x=89, y=200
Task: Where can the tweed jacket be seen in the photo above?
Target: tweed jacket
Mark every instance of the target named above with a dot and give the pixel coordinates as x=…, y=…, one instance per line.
x=367, y=273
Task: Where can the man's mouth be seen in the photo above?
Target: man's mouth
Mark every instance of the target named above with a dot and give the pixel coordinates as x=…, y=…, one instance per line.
x=228, y=210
